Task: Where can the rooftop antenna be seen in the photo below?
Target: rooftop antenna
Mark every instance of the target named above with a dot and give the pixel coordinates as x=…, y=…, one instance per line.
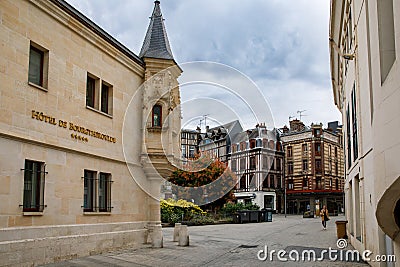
x=300, y=113
x=205, y=121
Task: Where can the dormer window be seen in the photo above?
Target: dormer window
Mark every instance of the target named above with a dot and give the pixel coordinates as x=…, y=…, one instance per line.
x=156, y=116
x=259, y=143
x=252, y=143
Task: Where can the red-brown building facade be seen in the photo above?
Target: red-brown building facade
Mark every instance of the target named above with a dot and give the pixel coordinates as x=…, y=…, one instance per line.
x=313, y=167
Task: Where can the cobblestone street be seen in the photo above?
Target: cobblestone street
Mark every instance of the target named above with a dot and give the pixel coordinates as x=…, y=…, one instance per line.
x=230, y=245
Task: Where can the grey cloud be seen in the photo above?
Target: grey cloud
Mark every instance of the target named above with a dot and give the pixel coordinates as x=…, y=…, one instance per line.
x=281, y=45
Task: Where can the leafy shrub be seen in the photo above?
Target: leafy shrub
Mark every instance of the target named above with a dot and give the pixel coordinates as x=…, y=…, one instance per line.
x=176, y=211
x=231, y=208
x=201, y=220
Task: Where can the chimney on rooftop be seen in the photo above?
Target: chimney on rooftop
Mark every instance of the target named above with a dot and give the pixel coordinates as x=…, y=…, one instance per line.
x=296, y=125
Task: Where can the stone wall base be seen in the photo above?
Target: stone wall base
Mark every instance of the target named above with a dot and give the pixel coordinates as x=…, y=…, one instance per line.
x=31, y=246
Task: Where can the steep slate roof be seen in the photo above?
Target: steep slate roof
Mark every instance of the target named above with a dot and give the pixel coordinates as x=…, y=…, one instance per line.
x=230, y=129
x=156, y=44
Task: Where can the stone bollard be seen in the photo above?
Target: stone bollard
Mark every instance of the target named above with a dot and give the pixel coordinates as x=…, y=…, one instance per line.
x=176, y=232
x=157, y=237
x=183, y=236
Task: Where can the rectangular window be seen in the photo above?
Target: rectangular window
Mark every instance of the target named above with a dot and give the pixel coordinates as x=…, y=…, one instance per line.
x=156, y=116
x=104, y=98
x=305, y=165
x=233, y=165
x=191, y=151
x=252, y=143
x=317, y=149
x=184, y=151
x=318, y=166
x=99, y=94
x=305, y=182
x=259, y=143
x=105, y=192
x=354, y=118
x=278, y=164
x=34, y=175
x=290, y=184
x=38, y=65
x=289, y=152
x=272, y=181
x=90, y=92
x=348, y=135
x=268, y=202
x=242, y=182
x=336, y=169
x=317, y=132
x=242, y=164
x=318, y=184
x=97, y=192
x=290, y=167
x=89, y=191
x=252, y=163
x=304, y=148
x=278, y=182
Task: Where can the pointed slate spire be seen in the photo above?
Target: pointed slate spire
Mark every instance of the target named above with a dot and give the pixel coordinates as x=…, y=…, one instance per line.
x=156, y=44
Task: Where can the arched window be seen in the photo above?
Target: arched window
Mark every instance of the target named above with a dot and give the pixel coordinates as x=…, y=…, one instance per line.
x=156, y=116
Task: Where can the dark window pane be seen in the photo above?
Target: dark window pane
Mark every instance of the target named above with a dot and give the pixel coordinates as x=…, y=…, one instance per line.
x=90, y=92
x=89, y=190
x=104, y=98
x=35, y=66
x=157, y=116
x=33, y=186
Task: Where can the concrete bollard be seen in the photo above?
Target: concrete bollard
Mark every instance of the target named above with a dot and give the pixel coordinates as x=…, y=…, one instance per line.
x=157, y=237
x=176, y=232
x=183, y=236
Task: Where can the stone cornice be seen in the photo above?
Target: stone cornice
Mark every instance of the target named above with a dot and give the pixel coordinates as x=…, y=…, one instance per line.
x=94, y=35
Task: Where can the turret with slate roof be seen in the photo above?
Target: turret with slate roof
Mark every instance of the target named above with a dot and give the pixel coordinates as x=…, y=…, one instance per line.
x=156, y=44
x=161, y=104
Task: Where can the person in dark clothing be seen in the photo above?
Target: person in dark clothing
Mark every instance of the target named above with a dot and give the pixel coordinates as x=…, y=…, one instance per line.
x=324, y=216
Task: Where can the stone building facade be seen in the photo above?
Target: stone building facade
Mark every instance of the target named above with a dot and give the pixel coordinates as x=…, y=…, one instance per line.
x=364, y=52
x=257, y=160
x=80, y=163
x=313, y=168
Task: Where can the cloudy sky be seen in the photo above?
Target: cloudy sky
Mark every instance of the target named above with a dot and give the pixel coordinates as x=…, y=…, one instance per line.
x=280, y=45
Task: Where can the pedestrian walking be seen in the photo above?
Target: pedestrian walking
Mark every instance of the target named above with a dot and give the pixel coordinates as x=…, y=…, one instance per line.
x=324, y=216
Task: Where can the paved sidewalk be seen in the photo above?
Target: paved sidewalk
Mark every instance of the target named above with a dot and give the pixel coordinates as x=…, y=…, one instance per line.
x=230, y=245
